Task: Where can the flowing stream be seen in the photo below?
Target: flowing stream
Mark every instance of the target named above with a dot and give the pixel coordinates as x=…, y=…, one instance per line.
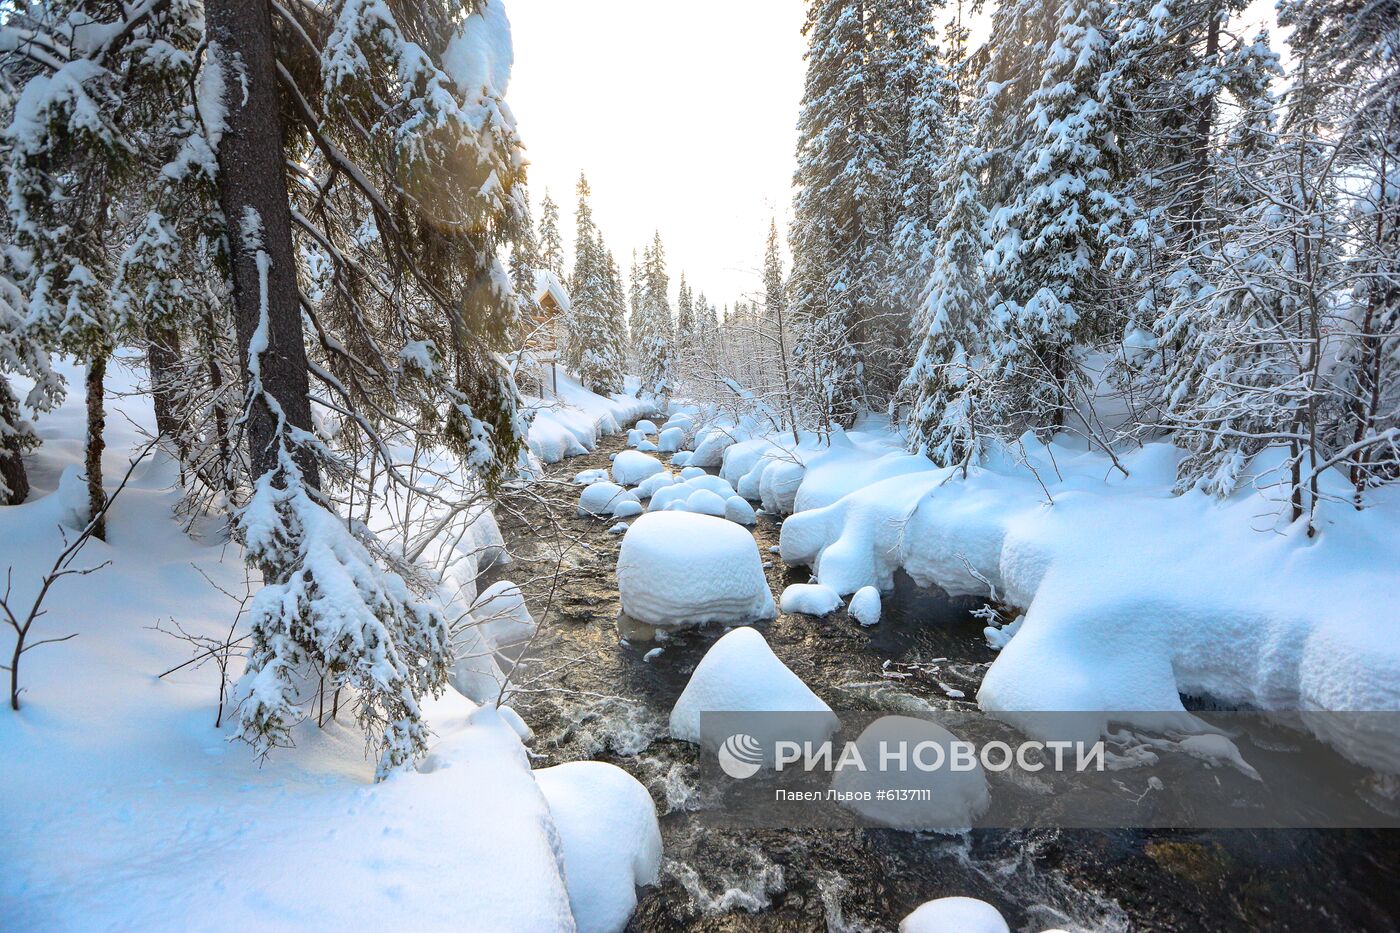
x=589, y=695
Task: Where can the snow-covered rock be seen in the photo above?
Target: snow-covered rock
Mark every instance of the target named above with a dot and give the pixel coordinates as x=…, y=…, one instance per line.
x=813, y=599
x=678, y=569
x=738, y=510
x=956, y=797
x=740, y=673
x=691, y=472
x=705, y=502
x=627, y=509
x=646, y=426
x=632, y=466
x=954, y=915
x=602, y=499
x=865, y=605
x=711, y=444
x=670, y=439
x=701, y=492
x=648, y=487
x=681, y=458
x=589, y=477
x=610, y=838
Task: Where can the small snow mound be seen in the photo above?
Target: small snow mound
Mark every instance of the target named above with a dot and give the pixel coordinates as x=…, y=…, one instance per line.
x=589, y=477
x=740, y=673
x=632, y=466
x=679, y=569
x=646, y=426
x=627, y=509
x=610, y=839
x=602, y=499
x=619, y=528
x=705, y=502
x=681, y=458
x=813, y=599
x=738, y=510
x=865, y=605
x=691, y=472
x=648, y=487
x=954, y=915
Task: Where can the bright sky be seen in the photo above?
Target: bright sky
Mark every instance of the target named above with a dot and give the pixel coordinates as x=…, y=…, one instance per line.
x=683, y=115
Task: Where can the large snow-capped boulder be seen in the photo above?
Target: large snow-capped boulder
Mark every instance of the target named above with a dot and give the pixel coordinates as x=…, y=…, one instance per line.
x=670, y=439
x=956, y=797
x=954, y=915
x=679, y=569
x=812, y=599
x=602, y=499
x=740, y=674
x=632, y=466
x=610, y=839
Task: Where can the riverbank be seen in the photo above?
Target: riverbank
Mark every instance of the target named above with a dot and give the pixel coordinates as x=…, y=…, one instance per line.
x=589, y=696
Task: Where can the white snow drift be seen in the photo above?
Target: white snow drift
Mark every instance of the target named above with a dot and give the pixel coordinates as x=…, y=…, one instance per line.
x=610, y=838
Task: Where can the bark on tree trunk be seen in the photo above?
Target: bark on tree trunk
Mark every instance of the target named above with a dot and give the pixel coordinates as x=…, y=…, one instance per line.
x=12, y=474
x=96, y=443
x=162, y=358
x=253, y=196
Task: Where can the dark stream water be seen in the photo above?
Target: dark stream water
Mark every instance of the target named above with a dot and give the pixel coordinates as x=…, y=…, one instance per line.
x=588, y=695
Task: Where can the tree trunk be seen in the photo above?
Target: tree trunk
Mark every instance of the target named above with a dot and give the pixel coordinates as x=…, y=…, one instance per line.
x=96, y=424
x=253, y=196
x=14, y=481
x=162, y=360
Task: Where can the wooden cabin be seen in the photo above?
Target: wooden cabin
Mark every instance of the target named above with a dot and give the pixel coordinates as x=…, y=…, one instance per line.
x=544, y=332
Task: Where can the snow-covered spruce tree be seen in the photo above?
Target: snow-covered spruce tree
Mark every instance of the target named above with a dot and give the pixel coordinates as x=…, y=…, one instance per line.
x=685, y=321
x=656, y=345
x=839, y=222
x=22, y=355
x=948, y=389
x=1352, y=58
x=776, y=324
x=1052, y=238
x=1177, y=73
x=594, y=346
x=636, y=308
x=551, y=243
x=88, y=124
x=916, y=96
x=407, y=337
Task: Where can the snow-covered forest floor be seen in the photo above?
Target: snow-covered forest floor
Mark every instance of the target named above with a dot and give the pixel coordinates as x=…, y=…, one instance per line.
x=374, y=547
x=125, y=808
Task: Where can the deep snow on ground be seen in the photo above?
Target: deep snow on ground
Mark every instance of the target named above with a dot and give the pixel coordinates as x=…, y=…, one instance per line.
x=572, y=419
x=1133, y=596
x=125, y=808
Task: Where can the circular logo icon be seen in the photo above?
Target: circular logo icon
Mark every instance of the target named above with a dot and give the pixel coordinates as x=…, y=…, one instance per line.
x=741, y=756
